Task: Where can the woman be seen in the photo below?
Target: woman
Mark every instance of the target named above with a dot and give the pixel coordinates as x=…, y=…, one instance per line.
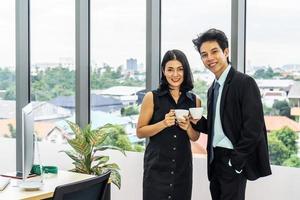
x=168, y=156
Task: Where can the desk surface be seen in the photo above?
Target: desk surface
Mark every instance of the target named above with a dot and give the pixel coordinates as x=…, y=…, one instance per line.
x=12, y=191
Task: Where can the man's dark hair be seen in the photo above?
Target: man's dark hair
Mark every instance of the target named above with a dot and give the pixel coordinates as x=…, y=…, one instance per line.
x=178, y=55
x=212, y=35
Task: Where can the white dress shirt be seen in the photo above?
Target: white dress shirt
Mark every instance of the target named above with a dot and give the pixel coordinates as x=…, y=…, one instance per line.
x=220, y=139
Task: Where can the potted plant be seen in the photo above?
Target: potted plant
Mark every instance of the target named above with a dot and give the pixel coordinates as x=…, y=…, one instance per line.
x=85, y=152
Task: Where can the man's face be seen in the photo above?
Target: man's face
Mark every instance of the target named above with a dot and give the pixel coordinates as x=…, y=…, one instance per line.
x=213, y=57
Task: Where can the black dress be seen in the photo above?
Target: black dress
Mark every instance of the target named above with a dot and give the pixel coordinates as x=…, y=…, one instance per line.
x=168, y=157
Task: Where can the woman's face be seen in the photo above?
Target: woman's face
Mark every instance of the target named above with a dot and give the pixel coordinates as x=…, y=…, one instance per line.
x=174, y=73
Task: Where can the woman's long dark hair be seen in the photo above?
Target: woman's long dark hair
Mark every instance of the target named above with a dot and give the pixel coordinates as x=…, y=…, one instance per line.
x=178, y=55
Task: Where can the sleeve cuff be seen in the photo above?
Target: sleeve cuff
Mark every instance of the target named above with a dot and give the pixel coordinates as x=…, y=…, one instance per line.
x=201, y=125
x=236, y=171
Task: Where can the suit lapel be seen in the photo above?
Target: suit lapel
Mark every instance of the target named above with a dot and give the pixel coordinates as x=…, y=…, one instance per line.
x=225, y=90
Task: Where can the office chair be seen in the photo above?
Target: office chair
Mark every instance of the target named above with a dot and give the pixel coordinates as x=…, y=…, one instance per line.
x=89, y=189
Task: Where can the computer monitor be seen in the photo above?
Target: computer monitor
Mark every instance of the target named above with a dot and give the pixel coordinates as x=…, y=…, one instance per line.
x=27, y=140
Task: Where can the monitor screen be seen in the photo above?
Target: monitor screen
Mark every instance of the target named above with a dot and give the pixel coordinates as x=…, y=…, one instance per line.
x=27, y=140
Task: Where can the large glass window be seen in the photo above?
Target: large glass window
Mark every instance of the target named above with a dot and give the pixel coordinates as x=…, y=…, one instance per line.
x=118, y=48
x=182, y=21
x=7, y=85
x=52, y=46
x=272, y=58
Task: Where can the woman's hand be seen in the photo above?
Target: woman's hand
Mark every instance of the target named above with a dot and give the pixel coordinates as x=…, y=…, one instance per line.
x=169, y=119
x=184, y=123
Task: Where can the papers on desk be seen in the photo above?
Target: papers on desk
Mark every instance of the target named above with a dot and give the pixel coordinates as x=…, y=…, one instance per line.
x=4, y=182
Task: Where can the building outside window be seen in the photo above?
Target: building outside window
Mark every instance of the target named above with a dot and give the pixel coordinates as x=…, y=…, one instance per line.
x=272, y=59
x=52, y=71
x=118, y=71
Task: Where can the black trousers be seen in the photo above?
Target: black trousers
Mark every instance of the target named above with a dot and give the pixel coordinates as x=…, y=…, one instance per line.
x=225, y=183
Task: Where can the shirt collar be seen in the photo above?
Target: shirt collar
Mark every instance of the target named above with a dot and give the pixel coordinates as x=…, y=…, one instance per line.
x=189, y=95
x=223, y=76
x=162, y=92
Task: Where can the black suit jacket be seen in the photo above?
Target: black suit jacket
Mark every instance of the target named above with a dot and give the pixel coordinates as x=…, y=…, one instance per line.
x=243, y=123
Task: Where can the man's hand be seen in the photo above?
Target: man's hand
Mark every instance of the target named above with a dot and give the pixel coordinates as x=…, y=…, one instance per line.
x=194, y=121
x=184, y=123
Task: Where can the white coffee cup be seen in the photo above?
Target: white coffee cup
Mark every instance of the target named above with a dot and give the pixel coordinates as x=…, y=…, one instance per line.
x=196, y=113
x=180, y=113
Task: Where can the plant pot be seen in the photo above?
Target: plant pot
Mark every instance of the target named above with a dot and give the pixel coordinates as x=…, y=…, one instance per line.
x=107, y=192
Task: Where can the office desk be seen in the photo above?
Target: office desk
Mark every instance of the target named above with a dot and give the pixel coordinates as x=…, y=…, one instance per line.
x=12, y=191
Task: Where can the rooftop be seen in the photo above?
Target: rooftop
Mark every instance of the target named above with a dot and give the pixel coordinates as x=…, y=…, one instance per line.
x=295, y=91
x=97, y=101
x=277, y=122
x=273, y=83
x=119, y=90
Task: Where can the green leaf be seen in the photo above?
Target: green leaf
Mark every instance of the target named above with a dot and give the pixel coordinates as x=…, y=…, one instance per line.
x=97, y=137
x=101, y=162
x=100, y=135
x=72, y=155
x=80, y=167
x=80, y=145
x=91, y=138
x=103, y=148
x=75, y=128
x=101, y=159
x=112, y=166
x=87, y=131
x=115, y=178
x=87, y=143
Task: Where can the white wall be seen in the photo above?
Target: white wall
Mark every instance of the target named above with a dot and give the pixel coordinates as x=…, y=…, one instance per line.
x=283, y=184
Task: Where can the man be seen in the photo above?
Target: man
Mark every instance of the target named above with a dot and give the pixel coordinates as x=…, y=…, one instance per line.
x=237, y=141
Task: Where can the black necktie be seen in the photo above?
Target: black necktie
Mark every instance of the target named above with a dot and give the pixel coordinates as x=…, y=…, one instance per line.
x=214, y=99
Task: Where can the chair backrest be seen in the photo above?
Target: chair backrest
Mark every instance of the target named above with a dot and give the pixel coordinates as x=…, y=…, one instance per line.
x=88, y=189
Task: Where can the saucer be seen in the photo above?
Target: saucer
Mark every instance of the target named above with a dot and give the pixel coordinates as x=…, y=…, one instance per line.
x=30, y=185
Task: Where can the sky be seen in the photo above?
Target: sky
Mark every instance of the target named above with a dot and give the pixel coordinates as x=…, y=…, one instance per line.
x=118, y=30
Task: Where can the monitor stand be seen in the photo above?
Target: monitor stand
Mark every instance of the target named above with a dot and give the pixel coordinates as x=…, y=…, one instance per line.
x=16, y=175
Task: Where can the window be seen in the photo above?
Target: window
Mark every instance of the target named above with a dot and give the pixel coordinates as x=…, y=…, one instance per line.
x=181, y=22
x=118, y=48
x=53, y=67
x=7, y=85
x=272, y=59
